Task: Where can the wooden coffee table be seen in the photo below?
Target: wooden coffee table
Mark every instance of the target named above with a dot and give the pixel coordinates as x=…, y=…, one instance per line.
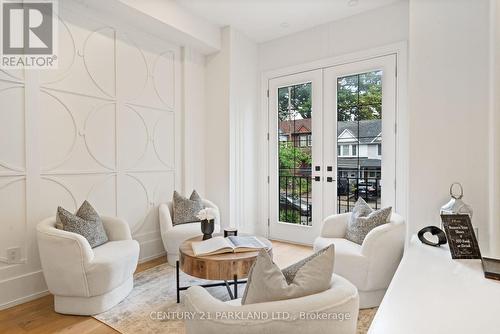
x=231, y=268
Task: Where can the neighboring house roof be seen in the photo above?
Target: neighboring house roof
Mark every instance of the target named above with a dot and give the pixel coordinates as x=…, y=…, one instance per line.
x=352, y=163
x=295, y=126
x=369, y=130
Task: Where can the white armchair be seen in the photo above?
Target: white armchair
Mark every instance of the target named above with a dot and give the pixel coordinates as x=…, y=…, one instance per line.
x=370, y=266
x=85, y=280
x=173, y=236
x=341, y=300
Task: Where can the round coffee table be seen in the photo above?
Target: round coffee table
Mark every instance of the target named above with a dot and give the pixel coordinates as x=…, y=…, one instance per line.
x=231, y=268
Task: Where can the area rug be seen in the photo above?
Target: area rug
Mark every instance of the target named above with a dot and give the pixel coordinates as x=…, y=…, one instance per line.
x=154, y=293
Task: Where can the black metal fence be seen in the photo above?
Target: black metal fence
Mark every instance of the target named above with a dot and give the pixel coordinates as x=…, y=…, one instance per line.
x=295, y=196
x=295, y=204
x=349, y=189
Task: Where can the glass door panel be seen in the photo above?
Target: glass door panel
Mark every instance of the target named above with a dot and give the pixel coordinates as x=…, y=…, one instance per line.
x=295, y=154
x=359, y=139
x=295, y=177
x=359, y=120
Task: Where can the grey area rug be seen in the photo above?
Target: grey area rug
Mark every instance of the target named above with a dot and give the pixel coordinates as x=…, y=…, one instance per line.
x=154, y=291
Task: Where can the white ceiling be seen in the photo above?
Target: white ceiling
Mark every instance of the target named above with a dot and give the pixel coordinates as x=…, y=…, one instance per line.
x=263, y=20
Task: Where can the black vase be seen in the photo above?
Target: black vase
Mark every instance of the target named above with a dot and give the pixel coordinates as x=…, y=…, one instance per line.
x=207, y=228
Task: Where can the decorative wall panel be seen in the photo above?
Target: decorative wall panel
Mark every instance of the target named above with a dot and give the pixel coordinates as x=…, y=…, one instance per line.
x=101, y=127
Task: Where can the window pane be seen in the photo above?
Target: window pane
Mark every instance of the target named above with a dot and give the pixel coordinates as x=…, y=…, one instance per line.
x=370, y=88
x=345, y=150
x=347, y=91
x=359, y=119
x=294, y=154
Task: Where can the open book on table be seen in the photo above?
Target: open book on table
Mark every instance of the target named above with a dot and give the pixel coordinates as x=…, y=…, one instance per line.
x=231, y=244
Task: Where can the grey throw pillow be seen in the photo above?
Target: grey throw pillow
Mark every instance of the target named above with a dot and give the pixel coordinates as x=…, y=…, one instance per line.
x=85, y=222
x=266, y=282
x=364, y=219
x=186, y=209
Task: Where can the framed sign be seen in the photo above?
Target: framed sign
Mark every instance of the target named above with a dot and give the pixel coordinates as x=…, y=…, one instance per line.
x=461, y=237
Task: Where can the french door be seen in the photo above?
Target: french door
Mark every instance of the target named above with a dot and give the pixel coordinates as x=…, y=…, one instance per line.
x=331, y=141
x=295, y=155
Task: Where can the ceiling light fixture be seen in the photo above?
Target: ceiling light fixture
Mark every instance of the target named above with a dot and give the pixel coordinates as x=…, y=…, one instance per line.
x=352, y=3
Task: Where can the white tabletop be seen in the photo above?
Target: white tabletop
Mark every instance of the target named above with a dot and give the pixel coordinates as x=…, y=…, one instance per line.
x=431, y=293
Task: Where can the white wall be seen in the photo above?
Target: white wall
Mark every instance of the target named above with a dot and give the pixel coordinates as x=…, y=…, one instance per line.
x=217, y=82
x=231, y=100
x=193, y=83
x=179, y=24
x=373, y=29
x=449, y=108
x=494, y=122
x=105, y=126
x=382, y=26
x=244, y=111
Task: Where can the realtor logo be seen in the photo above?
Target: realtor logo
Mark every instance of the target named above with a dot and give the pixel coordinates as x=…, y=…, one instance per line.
x=28, y=34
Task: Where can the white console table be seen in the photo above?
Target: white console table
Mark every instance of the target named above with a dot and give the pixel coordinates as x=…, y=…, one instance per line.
x=431, y=293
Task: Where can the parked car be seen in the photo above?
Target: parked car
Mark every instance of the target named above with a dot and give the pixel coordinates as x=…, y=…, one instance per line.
x=368, y=188
x=296, y=203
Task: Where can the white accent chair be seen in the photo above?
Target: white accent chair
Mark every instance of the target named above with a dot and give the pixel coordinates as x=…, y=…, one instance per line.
x=370, y=266
x=85, y=280
x=340, y=300
x=173, y=236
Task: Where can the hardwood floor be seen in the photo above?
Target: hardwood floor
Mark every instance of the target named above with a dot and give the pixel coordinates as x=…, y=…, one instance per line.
x=38, y=316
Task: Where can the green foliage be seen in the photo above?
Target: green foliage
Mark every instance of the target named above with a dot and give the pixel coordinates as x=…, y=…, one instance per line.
x=359, y=97
x=289, y=216
x=294, y=100
x=293, y=157
x=294, y=185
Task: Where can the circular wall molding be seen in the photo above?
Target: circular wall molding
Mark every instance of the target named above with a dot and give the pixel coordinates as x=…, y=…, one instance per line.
x=100, y=136
x=65, y=56
x=100, y=60
x=12, y=129
x=58, y=131
x=133, y=201
x=135, y=140
x=54, y=193
x=132, y=69
x=164, y=78
x=102, y=195
x=164, y=139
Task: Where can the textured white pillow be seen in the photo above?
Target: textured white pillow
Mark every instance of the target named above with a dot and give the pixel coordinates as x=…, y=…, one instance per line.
x=364, y=219
x=266, y=282
x=85, y=221
x=186, y=209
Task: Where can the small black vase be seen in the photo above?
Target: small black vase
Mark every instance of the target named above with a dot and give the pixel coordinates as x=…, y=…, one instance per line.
x=207, y=228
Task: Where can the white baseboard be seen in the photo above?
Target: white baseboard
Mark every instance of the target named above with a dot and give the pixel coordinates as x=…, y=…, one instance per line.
x=24, y=299
x=30, y=286
x=21, y=289
x=152, y=257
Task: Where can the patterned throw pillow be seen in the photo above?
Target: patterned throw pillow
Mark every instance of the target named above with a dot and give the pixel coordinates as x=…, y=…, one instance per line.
x=364, y=219
x=186, y=209
x=85, y=222
x=266, y=282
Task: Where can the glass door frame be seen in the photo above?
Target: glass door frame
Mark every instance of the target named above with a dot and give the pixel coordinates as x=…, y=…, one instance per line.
x=324, y=79
x=389, y=83
x=297, y=233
